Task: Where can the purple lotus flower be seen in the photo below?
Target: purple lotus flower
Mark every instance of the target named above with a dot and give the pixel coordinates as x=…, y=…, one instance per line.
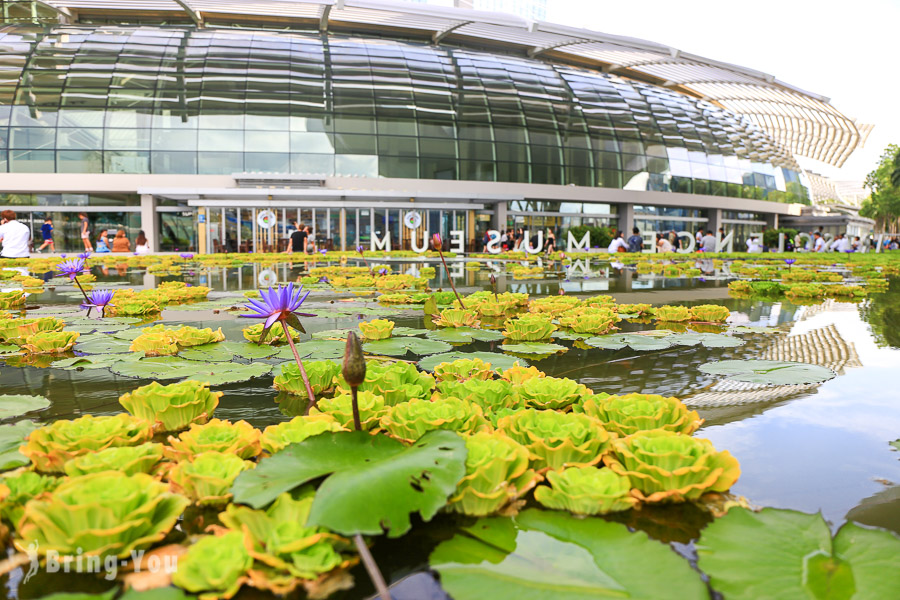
x=85, y=255
x=99, y=299
x=278, y=305
x=323, y=251
x=359, y=249
x=71, y=268
x=186, y=255
x=323, y=279
x=382, y=271
x=790, y=261
x=62, y=255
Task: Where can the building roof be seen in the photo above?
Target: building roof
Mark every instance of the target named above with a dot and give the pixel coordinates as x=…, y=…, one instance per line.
x=803, y=122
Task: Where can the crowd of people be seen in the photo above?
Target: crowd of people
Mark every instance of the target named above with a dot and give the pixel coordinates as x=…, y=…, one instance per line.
x=18, y=241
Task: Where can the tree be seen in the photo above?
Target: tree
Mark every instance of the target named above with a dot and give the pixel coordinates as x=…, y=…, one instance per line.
x=883, y=203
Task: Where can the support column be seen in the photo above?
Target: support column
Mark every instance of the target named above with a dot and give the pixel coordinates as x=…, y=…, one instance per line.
x=772, y=220
x=499, y=220
x=626, y=218
x=714, y=220
x=150, y=221
x=343, y=229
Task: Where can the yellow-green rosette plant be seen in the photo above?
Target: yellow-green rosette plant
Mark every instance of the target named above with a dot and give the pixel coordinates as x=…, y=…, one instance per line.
x=457, y=317
x=371, y=408
x=172, y=407
x=399, y=298
x=710, y=313
x=276, y=334
x=518, y=374
x=187, y=336
x=377, y=329
x=408, y=421
x=154, y=344
x=52, y=446
x=276, y=437
x=102, y=514
x=463, y=369
x=215, y=566
x=13, y=299
x=630, y=413
x=490, y=394
x=672, y=313
x=529, y=328
x=497, y=475
x=586, y=491
x=395, y=382
x=207, y=477
x=240, y=439
x=553, y=305
x=557, y=440
x=633, y=309
x=597, y=321
x=18, y=488
x=285, y=548
x=603, y=300
x=322, y=376
x=672, y=467
x=48, y=342
x=128, y=460
x=22, y=328
x=160, y=340
x=551, y=392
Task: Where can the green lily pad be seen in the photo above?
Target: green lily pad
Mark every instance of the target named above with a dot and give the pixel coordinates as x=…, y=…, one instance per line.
x=402, y=345
x=109, y=345
x=707, y=340
x=533, y=348
x=464, y=335
x=785, y=554
x=753, y=329
x=165, y=593
x=340, y=334
x=175, y=367
x=895, y=444
x=407, y=331
x=220, y=374
x=226, y=351
x=11, y=437
x=315, y=350
x=108, y=595
x=15, y=405
x=635, y=341
x=98, y=326
x=375, y=482
x=499, y=362
x=8, y=349
x=543, y=554
x=94, y=361
x=129, y=334
x=769, y=372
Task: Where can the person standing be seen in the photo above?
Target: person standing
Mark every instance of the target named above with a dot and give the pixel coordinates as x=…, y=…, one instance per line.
x=709, y=242
x=298, y=240
x=699, y=239
x=14, y=236
x=47, y=235
x=551, y=241
x=635, y=242
x=86, y=232
x=818, y=242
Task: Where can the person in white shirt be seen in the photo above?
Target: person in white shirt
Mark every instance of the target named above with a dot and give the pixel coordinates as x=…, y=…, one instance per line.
x=663, y=244
x=14, y=235
x=818, y=242
x=618, y=242
x=753, y=245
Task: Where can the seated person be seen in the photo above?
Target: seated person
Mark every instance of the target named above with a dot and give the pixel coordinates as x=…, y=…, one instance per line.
x=121, y=242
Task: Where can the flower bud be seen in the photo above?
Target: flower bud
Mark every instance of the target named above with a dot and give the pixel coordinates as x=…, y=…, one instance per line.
x=354, y=367
x=436, y=240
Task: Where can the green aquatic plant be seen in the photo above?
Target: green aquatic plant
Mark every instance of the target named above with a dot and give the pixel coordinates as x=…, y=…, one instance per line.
x=12, y=299
x=630, y=413
x=557, y=440
x=518, y=374
x=207, y=477
x=490, y=394
x=276, y=335
x=596, y=321
x=154, y=344
x=240, y=439
x=553, y=305
x=633, y=309
x=497, y=475
x=22, y=328
x=215, y=566
x=172, y=407
x=322, y=376
x=672, y=313
x=52, y=446
x=48, y=342
x=376, y=329
x=18, y=488
x=463, y=369
x=102, y=514
x=371, y=408
x=529, y=328
x=275, y=437
x=395, y=382
x=408, y=421
x=551, y=392
x=124, y=459
x=457, y=317
x=710, y=313
x=160, y=340
x=586, y=491
x=671, y=467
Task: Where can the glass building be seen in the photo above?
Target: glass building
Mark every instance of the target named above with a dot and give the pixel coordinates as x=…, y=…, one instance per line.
x=186, y=124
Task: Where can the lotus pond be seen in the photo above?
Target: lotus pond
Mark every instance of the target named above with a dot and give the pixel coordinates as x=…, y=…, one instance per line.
x=572, y=427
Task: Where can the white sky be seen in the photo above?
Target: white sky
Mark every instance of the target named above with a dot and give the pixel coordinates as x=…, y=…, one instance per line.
x=846, y=51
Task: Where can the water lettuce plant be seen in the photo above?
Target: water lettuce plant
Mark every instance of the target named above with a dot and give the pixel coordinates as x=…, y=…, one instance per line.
x=518, y=374
x=710, y=313
x=671, y=467
x=371, y=408
x=497, y=475
x=12, y=299
x=395, y=382
x=101, y=514
x=51, y=446
x=557, y=440
x=275, y=437
x=408, y=421
x=215, y=566
x=463, y=369
x=322, y=376
x=276, y=336
x=128, y=460
x=240, y=439
x=672, y=313
x=490, y=394
x=22, y=328
x=376, y=329
x=457, y=317
x=596, y=321
x=172, y=407
x=630, y=413
x=48, y=342
x=586, y=491
x=206, y=478
x=529, y=328
x=551, y=392
x=160, y=340
x=18, y=488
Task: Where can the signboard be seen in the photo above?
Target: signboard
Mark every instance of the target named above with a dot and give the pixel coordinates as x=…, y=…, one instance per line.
x=267, y=278
x=412, y=220
x=266, y=219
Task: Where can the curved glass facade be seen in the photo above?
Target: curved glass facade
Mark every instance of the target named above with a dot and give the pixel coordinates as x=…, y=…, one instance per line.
x=148, y=99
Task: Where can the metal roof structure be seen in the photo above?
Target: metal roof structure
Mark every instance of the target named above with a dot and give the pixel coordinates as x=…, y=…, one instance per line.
x=803, y=122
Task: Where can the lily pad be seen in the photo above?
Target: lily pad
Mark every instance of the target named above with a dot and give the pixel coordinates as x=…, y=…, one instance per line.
x=98, y=326
x=375, y=482
x=635, y=341
x=707, y=340
x=11, y=437
x=13, y=406
x=315, y=350
x=226, y=351
x=9, y=349
x=785, y=554
x=220, y=374
x=402, y=345
x=533, y=348
x=175, y=367
x=464, y=335
x=544, y=554
x=499, y=362
x=129, y=334
x=109, y=345
x=94, y=361
x=769, y=372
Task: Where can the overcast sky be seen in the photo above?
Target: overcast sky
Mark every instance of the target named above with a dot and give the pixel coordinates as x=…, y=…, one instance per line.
x=846, y=51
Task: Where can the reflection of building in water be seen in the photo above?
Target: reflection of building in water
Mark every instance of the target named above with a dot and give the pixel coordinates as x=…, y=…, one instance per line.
x=829, y=305
x=823, y=346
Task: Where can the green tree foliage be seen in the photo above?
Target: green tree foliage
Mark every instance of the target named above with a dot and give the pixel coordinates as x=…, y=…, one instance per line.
x=600, y=236
x=883, y=204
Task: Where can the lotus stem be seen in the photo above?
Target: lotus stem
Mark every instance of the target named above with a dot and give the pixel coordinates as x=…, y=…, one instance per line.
x=371, y=567
x=357, y=424
x=309, y=391
x=83, y=293
x=453, y=287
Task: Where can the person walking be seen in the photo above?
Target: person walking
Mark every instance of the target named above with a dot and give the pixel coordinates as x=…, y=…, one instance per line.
x=298, y=241
x=47, y=235
x=121, y=243
x=14, y=235
x=551, y=241
x=635, y=242
x=86, y=232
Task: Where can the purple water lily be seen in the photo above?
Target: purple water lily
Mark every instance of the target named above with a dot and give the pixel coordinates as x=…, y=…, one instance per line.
x=323, y=279
x=186, y=255
x=360, y=250
x=99, y=299
x=323, y=251
x=382, y=271
x=73, y=268
x=790, y=261
x=85, y=255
